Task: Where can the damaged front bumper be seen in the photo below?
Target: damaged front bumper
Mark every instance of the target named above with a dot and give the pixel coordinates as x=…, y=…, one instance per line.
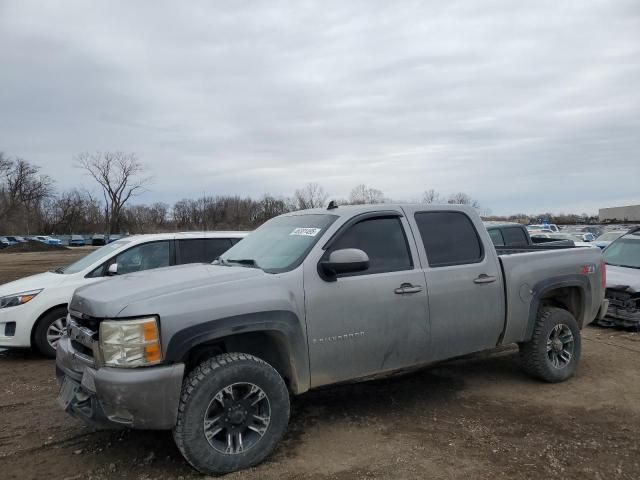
x=624, y=308
x=106, y=397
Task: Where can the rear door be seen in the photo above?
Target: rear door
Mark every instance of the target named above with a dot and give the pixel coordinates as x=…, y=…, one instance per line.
x=464, y=282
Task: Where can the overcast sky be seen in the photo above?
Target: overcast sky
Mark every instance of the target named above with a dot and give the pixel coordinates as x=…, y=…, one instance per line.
x=526, y=106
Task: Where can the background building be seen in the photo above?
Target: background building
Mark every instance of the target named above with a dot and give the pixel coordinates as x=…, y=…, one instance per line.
x=630, y=213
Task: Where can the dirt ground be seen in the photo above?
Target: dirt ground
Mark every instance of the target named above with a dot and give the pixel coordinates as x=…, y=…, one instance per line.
x=477, y=418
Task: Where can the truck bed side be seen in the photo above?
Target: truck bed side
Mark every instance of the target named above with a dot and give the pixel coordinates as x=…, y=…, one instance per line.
x=572, y=276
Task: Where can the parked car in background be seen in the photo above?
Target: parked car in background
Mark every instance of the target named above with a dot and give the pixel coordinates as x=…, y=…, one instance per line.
x=510, y=234
x=14, y=238
x=604, y=240
x=98, y=240
x=33, y=310
x=576, y=238
x=5, y=242
x=623, y=281
x=48, y=240
x=77, y=241
x=594, y=230
x=113, y=238
x=552, y=227
x=313, y=298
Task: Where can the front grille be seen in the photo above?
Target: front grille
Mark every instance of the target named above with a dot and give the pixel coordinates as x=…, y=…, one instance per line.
x=83, y=332
x=85, y=321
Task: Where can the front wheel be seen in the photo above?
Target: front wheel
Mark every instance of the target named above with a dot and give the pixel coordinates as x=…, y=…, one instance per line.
x=49, y=331
x=233, y=412
x=553, y=352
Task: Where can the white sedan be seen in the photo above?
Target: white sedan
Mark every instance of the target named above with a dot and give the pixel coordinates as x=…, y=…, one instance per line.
x=33, y=310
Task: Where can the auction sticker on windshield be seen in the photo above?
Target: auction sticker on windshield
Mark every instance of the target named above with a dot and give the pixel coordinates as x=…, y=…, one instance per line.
x=305, y=232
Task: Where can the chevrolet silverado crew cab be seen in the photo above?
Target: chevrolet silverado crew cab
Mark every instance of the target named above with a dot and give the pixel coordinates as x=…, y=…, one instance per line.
x=312, y=298
x=33, y=310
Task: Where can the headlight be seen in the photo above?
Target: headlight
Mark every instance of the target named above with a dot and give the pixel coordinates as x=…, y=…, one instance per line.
x=130, y=343
x=18, y=298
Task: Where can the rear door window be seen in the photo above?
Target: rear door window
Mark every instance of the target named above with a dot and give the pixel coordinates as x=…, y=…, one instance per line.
x=201, y=250
x=449, y=238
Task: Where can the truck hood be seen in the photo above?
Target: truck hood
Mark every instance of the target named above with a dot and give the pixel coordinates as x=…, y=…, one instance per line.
x=33, y=282
x=623, y=277
x=108, y=299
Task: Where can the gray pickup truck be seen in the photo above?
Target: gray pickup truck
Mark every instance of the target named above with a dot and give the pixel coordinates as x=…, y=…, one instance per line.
x=312, y=298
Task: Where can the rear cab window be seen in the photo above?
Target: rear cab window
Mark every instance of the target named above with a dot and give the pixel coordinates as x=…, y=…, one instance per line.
x=514, y=237
x=449, y=238
x=496, y=237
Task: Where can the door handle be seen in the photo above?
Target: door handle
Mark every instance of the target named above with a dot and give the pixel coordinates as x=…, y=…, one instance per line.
x=484, y=278
x=408, y=288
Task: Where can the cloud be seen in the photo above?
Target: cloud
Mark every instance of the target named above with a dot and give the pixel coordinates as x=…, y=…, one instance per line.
x=526, y=107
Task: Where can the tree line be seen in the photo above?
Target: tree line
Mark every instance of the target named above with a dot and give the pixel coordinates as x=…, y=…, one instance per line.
x=30, y=203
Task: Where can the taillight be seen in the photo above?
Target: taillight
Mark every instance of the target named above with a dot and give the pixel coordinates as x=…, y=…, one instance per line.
x=603, y=274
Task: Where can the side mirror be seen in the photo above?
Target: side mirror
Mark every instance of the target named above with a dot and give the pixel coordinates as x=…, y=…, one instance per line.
x=347, y=260
x=113, y=269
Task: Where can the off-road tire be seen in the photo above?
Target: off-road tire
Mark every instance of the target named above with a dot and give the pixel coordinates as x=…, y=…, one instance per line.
x=534, y=356
x=198, y=390
x=40, y=333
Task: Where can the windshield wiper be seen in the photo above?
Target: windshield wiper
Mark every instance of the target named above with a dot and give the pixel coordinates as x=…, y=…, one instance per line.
x=59, y=270
x=249, y=262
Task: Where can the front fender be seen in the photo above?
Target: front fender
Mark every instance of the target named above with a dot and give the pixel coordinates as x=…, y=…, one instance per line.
x=281, y=321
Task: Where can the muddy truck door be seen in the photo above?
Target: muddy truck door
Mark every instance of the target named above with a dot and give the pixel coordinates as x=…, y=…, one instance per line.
x=370, y=321
x=464, y=279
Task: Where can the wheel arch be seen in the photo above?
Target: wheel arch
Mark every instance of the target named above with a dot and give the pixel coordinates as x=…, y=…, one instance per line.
x=570, y=292
x=275, y=337
x=41, y=316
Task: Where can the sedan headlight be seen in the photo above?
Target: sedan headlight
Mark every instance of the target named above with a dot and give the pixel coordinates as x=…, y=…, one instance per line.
x=130, y=343
x=18, y=298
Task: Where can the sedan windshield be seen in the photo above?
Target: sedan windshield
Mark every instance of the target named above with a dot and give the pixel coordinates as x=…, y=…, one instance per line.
x=94, y=257
x=624, y=252
x=280, y=244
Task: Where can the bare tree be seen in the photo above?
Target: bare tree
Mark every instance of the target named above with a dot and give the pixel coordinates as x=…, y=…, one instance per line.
x=119, y=176
x=360, y=194
x=432, y=196
x=462, y=198
x=312, y=195
x=23, y=190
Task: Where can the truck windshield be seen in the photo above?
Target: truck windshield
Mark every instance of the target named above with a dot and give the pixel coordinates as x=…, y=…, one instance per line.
x=624, y=252
x=93, y=257
x=280, y=244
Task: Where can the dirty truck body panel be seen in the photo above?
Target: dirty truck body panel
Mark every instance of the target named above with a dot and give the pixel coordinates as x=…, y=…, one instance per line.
x=434, y=288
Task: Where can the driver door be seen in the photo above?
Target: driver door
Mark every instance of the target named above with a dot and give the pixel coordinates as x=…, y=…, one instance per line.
x=368, y=322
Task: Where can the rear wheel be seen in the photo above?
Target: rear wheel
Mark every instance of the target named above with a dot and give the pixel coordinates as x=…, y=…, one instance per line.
x=233, y=412
x=553, y=352
x=49, y=331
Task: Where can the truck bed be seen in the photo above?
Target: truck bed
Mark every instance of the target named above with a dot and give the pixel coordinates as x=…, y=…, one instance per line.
x=525, y=270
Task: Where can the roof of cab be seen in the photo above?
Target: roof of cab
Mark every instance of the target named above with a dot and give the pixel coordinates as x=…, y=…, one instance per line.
x=351, y=210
